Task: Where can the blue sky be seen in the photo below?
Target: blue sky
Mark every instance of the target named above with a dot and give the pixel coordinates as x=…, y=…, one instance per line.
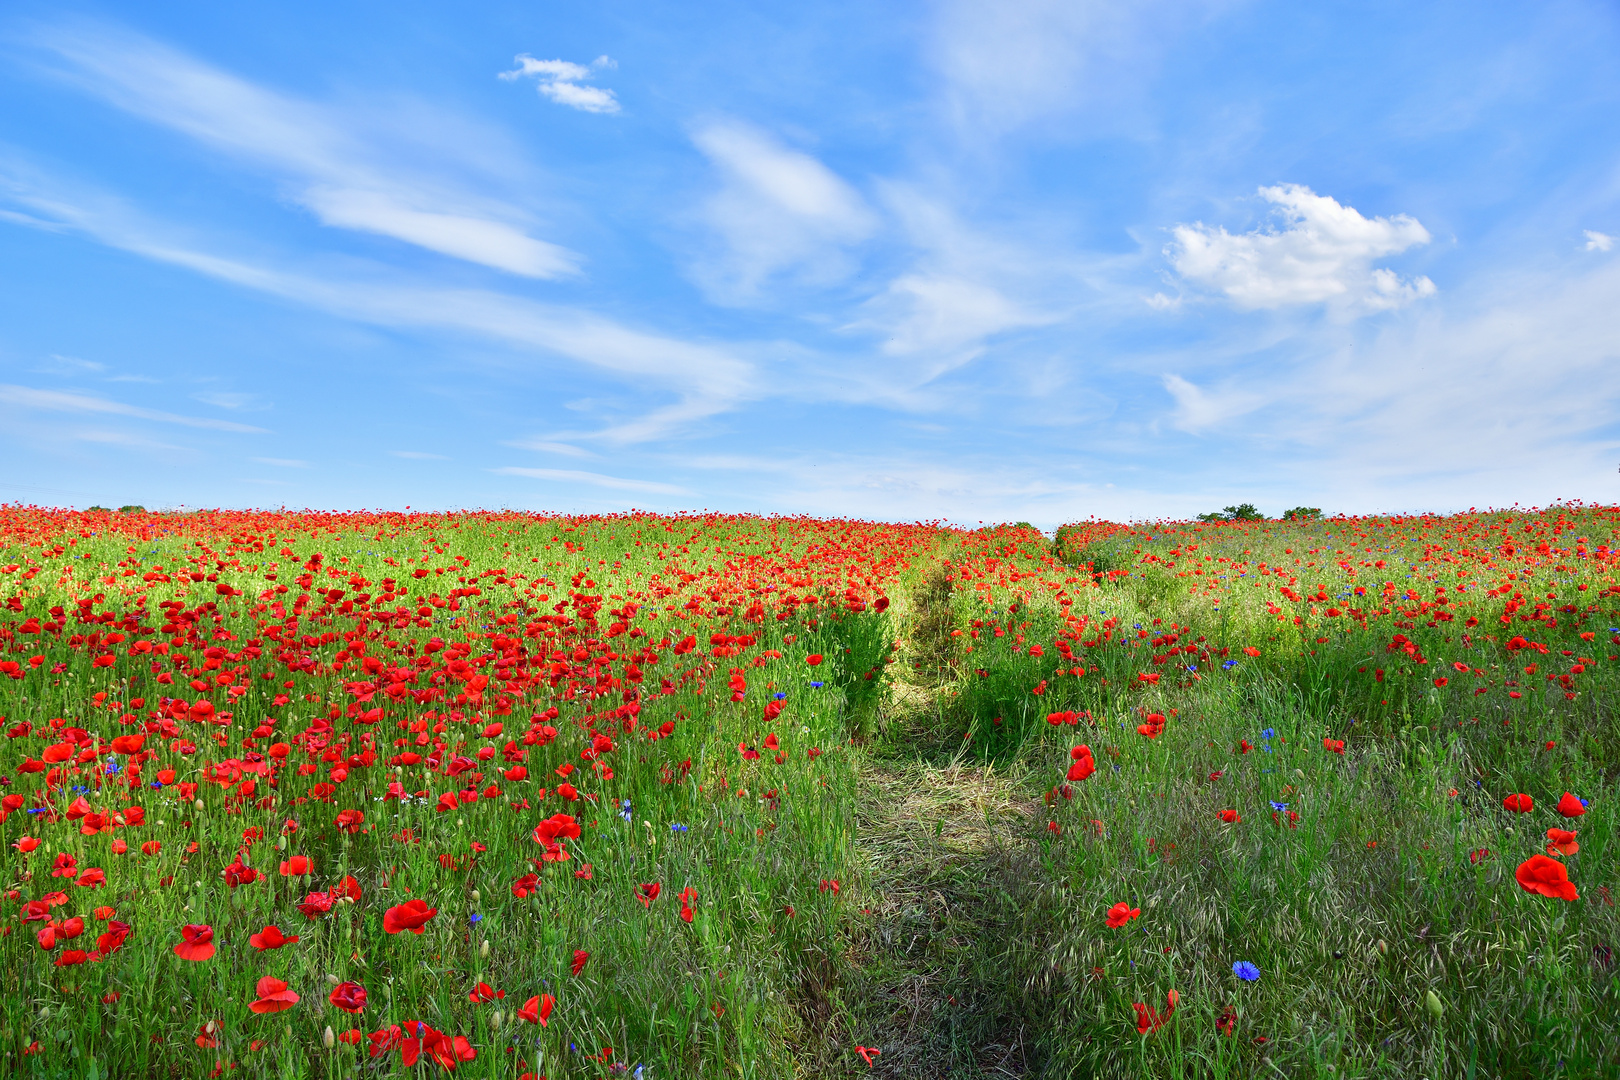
x=971, y=261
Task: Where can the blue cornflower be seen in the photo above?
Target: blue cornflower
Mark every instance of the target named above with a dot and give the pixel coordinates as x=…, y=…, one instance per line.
x=1269, y=733
x=677, y=827
x=779, y=697
x=155, y=783
x=78, y=787
x=1278, y=806
x=1229, y=664
x=1192, y=667
x=112, y=765
x=38, y=810
x=1246, y=971
x=818, y=685
x=475, y=918
x=624, y=810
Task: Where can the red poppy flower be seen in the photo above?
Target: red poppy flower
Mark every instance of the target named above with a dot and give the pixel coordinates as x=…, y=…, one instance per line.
x=537, y=1010
x=412, y=915
x=348, y=888
x=580, y=956
x=813, y=659
x=270, y=938
x=297, y=866
x=485, y=992
x=1081, y=763
x=1561, y=841
x=350, y=820
x=1149, y=1019
x=72, y=958
x=1334, y=745
x=446, y=1050
x=1570, y=806
x=1231, y=817
x=273, y=996
x=96, y=876
x=556, y=829
x=1120, y=914
x=1539, y=874
x=348, y=996
x=1522, y=804
x=647, y=893
x=198, y=943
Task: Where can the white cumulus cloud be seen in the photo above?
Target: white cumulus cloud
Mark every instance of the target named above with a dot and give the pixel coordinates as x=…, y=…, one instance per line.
x=1322, y=253
x=560, y=80
x=1596, y=241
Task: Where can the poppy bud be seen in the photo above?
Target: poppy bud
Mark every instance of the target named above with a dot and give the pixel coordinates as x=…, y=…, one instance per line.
x=483, y=950
x=495, y=1021
x=1431, y=1002
x=475, y=896
x=328, y=1039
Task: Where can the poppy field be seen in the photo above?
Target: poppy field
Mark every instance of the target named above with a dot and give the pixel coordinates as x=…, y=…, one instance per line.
x=515, y=795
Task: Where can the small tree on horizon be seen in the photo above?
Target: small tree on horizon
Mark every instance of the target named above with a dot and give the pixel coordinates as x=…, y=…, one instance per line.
x=1240, y=512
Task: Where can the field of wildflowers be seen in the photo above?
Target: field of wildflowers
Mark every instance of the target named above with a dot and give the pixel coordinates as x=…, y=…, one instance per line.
x=673, y=796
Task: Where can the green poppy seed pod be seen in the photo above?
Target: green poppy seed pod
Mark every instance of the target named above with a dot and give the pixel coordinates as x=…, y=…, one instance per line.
x=475, y=896
x=328, y=1039
x=483, y=950
x=199, y=804
x=1436, y=1008
x=281, y=843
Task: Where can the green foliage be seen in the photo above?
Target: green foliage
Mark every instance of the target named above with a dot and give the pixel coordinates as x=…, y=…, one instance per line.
x=1241, y=512
x=1303, y=513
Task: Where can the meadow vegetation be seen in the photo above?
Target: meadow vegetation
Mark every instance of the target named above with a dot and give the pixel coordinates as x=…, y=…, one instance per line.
x=700, y=795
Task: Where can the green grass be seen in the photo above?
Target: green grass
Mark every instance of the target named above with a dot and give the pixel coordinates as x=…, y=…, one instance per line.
x=967, y=933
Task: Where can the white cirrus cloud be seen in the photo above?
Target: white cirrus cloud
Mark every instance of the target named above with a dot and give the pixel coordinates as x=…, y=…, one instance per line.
x=351, y=169
x=547, y=447
x=577, y=476
x=562, y=81
x=226, y=399
x=1197, y=409
x=706, y=378
x=944, y=315
x=1596, y=241
x=776, y=209
x=1322, y=254
x=25, y=397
